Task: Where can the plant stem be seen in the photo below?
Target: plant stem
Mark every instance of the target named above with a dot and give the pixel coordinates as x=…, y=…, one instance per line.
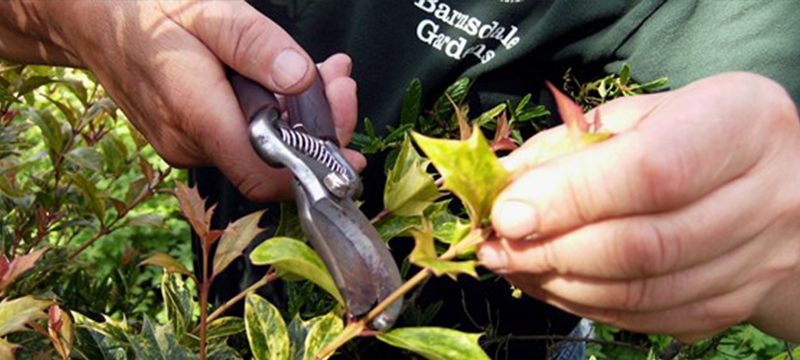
x=380, y=217
x=204, y=289
x=270, y=277
x=475, y=237
x=108, y=228
x=103, y=231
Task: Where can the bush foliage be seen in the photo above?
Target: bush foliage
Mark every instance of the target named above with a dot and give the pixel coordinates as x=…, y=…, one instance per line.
x=89, y=213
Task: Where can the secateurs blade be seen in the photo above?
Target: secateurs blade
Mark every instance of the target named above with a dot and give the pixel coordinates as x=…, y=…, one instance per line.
x=325, y=185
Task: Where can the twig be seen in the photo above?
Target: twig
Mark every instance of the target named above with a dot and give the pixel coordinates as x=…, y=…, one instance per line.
x=380, y=217
x=475, y=237
x=788, y=350
x=105, y=230
x=205, y=287
x=270, y=277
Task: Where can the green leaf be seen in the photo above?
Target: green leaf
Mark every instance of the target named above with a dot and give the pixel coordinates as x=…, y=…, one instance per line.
x=235, y=240
x=424, y=255
x=321, y=333
x=136, y=189
x=104, y=106
x=266, y=330
x=86, y=157
x=530, y=114
x=447, y=228
x=169, y=263
x=14, y=314
x=32, y=83
x=470, y=170
x=457, y=93
x=92, y=344
x=625, y=74
x=225, y=327
x=65, y=109
x=436, y=343
x=398, y=226
x=115, y=154
x=157, y=343
x=298, y=331
x=77, y=89
x=54, y=135
x=223, y=353
x=290, y=256
x=490, y=115
x=410, y=189
x=289, y=225
x=179, y=303
x=10, y=190
x=95, y=198
x=412, y=103
x=151, y=219
x=108, y=339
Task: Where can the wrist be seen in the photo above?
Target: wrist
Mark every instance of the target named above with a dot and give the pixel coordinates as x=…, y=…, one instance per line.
x=778, y=313
x=32, y=32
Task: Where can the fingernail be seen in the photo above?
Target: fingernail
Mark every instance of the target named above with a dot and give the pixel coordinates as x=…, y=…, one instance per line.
x=492, y=258
x=289, y=68
x=517, y=219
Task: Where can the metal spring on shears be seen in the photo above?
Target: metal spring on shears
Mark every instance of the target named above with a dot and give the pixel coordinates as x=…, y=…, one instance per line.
x=312, y=147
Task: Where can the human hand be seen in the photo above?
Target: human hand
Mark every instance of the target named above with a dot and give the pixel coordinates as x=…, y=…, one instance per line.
x=685, y=223
x=163, y=63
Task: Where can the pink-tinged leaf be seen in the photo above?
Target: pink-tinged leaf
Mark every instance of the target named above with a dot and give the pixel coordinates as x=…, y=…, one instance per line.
x=504, y=145
x=20, y=265
x=3, y=267
x=235, y=240
x=503, y=130
x=193, y=208
x=118, y=205
x=169, y=263
x=463, y=126
x=61, y=330
x=147, y=170
x=571, y=113
x=502, y=136
x=212, y=237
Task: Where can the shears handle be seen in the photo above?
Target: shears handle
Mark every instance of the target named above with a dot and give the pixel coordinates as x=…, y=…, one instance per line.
x=325, y=184
x=309, y=110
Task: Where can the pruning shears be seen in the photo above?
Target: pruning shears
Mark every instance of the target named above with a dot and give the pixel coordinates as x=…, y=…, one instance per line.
x=325, y=186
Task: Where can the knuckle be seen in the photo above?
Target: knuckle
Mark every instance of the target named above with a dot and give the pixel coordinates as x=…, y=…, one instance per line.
x=553, y=260
x=635, y=295
x=253, y=187
x=581, y=202
x=246, y=31
x=664, y=174
x=645, y=251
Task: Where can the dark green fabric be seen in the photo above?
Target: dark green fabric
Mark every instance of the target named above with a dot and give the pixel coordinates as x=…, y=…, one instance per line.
x=681, y=39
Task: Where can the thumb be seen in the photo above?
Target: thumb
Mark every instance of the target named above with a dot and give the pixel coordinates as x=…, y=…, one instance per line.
x=247, y=41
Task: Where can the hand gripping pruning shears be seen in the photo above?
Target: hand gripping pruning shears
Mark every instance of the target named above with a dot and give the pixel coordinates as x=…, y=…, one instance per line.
x=325, y=185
